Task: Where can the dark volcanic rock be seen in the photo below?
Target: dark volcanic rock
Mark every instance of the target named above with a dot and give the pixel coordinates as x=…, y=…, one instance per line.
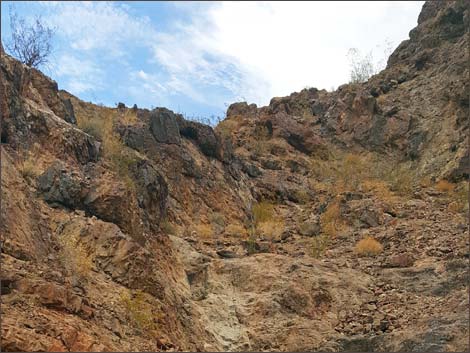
x=164, y=126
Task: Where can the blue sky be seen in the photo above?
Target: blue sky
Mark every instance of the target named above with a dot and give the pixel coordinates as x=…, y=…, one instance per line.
x=197, y=57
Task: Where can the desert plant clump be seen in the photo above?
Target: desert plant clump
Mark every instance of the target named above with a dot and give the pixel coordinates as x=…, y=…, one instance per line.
x=271, y=230
x=401, y=180
x=29, y=168
x=459, y=198
x=73, y=254
x=251, y=244
x=445, y=186
x=204, y=231
x=236, y=230
x=319, y=245
x=331, y=220
x=368, y=247
x=102, y=128
x=140, y=313
x=167, y=227
x=262, y=212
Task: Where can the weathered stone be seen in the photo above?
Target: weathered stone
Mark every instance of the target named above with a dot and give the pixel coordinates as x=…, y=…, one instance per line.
x=164, y=126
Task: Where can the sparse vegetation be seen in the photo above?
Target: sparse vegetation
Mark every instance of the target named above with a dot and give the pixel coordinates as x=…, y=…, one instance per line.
x=167, y=227
x=73, y=254
x=217, y=218
x=141, y=314
x=204, y=231
x=271, y=230
x=319, y=245
x=459, y=198
x=29, y=168
x=262, y=212
x=445, y=186
x=331, y=220
x=236, y=230
x=30, y=43
x=114, y=150
x=368, y=247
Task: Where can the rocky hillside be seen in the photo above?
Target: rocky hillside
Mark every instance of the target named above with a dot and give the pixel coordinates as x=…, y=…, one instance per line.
x=333, y=221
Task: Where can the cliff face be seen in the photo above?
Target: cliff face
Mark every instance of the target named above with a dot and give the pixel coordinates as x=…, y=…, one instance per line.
x=130, y=229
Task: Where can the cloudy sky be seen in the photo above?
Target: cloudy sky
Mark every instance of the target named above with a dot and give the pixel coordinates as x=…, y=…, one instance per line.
x=195, y=58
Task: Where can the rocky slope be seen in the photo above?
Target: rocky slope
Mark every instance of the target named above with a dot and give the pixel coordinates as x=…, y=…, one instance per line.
x=129, y=229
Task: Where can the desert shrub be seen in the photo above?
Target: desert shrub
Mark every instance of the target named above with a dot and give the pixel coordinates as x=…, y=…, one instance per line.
x=140, y=313
x=445, y=186
x=217, y=218
x=378, y=188
x=73, y=254
x=29, y=168
x=227, y=126
x=368, y=247
x=251, y=245
x=400, y=178
x=459, y=199
x=236, y=230
x=425, y=182
x=271, y=230
x=262, y=212
x=319, y=245
x=277, y=146
x=93, y=127
x=301, y=196
x=205, y=231
x=331, y=220
x=129, y=117
x=167, y=227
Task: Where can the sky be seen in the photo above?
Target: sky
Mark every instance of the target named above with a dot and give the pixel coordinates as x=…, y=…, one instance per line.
x=196, y=58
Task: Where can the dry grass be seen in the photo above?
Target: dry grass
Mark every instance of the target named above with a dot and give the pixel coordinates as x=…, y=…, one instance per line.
x=331, y=220
x=74, y=255
x=271, y=230
x=236, y=230
x=459, y=198
x=129, y=117
x=226, y=127
x=341, y=172
x=319, y=245
x=401, y=179
x=445, y=186
x=379, y=188
x=167, y=227
x=262, y=212
x=204, y=231
x=102, y=128
x=93, y=127
x=140, y=313
x=368, y=247
x=29, y=168
x=217, y=218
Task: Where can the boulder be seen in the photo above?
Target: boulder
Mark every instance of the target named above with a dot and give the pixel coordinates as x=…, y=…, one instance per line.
x=164, y=126
x=60, y=185
x=203, y=135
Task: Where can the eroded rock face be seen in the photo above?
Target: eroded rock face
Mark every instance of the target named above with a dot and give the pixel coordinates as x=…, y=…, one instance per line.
x=164, y=126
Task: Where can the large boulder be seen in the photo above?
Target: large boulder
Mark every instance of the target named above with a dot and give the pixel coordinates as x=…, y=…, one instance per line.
x=164, y=126
x=61, y=186
x=204, y=137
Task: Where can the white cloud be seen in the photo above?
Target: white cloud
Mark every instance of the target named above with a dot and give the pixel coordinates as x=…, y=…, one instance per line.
x=99, y=25
x=293, y=45
x=252, y=50
x=80, y=75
